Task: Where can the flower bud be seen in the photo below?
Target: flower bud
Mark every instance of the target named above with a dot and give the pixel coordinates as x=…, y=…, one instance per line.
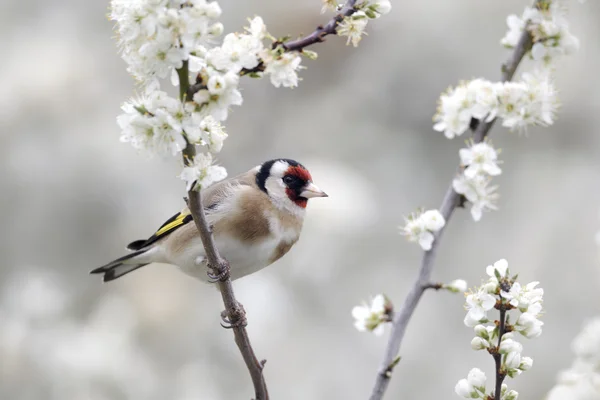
x=456, y=286
x=479, y=344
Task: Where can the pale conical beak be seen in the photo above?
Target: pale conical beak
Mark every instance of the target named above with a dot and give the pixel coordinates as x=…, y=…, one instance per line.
x=312, y=190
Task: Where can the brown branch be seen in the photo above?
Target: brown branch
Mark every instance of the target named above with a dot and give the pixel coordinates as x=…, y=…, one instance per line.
x=319, y=34
x=500, y=375
x=234, y=313
x=451, y=201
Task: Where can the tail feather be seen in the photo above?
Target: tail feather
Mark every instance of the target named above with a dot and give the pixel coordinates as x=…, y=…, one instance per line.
x=122, y=266
x=137, y=244
x=120, y=270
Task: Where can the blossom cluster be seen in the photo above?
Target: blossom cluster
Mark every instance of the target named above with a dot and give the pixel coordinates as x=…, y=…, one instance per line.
x=474, y=387
x=372, y=317
x=480, y=163
x=176, y=38
x=421, y=226
x=549, y=29
x=156, y=36
x=582, y=380
x=504, y=294
x=531, y=101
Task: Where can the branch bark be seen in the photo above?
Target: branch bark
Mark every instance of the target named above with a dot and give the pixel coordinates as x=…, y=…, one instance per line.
x=500, y=375
x=451, y=201
x=234, y=313
x=319, y=34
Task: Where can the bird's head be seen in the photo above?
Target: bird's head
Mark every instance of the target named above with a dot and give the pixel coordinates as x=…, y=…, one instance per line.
x=288, y=183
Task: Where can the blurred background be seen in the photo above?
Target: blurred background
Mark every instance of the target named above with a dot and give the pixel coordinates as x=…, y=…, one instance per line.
x=72, y=196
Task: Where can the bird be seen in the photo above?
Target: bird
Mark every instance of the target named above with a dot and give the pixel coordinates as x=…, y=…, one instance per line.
x=256, y=218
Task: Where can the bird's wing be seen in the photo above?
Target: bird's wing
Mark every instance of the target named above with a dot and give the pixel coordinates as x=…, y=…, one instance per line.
x=212, y=197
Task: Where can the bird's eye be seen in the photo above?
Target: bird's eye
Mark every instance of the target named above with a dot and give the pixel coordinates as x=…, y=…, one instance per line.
x=288, y=179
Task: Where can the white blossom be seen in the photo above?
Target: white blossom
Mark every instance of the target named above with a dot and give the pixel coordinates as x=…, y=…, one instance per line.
x=479, y=159
x=257, y=28
x=509, y=345
x=528, y=298
x=512, y=360
x=380, y=7
x=533, y=101
x=237, y=52
x=421, y=226
x=529, y=325
x=491, y=295
x=329, y=5
x=473, y=387
x=214, y=134
x=457, y=285
x=478, y=343
x=353, y=26
x=581, y=381
x=549, y=29
x=224, y=94
x=478, y=192
x=201, y=173
x=454, y=112
x=282, y=68
x=157, y=36
x=483, y=97
x=153, y=123
x=500, y=267
x=526, y=363
x=372, y=317
x=478, y=304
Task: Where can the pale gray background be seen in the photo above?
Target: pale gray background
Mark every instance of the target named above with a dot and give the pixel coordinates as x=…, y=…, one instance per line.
x=73, y=196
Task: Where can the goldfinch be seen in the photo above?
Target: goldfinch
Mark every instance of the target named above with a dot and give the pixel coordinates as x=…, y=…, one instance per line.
x=256, y=218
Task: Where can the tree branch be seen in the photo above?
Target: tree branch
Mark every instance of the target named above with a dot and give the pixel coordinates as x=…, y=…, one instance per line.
x=500, y=375
x=234, y=313
x=451, y=201
x=319, y=34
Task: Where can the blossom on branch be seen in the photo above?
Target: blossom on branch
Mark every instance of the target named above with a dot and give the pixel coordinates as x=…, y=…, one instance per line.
x=503, y=293
x=354, y=27
x=201, y=173
x=456, y=286
x=473, y=387
x=372, y=317
x=421, y=226
x=156, y=36
x=549, y=29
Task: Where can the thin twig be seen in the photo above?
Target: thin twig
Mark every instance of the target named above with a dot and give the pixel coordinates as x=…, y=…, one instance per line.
x=451, y=201
x=319, y=34
x=236, y=316
x=500, y=375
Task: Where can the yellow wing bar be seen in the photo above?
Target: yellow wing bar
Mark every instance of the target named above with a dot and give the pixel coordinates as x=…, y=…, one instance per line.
x=173, y=222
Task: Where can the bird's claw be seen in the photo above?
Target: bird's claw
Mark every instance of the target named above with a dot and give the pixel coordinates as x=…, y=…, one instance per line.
x=222, y=276
x=234, y=318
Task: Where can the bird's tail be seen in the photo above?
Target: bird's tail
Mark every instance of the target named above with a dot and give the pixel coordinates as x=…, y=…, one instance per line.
x=124, y=265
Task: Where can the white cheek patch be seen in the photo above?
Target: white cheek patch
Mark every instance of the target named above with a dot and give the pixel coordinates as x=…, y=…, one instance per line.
x=276, y=188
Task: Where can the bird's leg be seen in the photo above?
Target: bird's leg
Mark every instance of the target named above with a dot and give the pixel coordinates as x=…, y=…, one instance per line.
x=235, y=317
x=222, y=274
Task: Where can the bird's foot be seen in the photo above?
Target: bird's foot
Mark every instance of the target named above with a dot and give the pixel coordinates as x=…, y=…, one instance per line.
x=222, y=275
x=235, y=317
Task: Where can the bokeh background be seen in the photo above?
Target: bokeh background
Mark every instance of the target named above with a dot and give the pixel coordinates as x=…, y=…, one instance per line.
x=72, y=196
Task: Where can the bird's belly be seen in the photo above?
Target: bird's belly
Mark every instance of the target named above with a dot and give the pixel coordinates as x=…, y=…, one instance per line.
x=244, y=259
